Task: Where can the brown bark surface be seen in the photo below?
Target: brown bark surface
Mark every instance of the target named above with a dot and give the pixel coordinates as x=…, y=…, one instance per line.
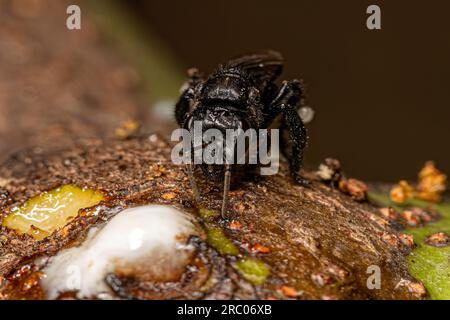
x=60, y=95
x=321, y=241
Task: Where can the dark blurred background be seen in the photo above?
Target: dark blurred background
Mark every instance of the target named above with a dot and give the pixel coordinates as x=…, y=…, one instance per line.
x=381, y=97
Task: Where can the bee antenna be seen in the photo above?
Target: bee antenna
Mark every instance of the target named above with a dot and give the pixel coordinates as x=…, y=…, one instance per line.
x=226, y=189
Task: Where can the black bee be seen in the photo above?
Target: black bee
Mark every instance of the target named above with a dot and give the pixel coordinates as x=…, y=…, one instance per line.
x=242, y=94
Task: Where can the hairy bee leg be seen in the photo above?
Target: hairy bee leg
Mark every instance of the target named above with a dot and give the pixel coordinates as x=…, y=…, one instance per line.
x=186, y=100
x=226, y=190
x=286, y=103
x=290, y=92
x=182, y=109
x=193, y=183
x=297, y=133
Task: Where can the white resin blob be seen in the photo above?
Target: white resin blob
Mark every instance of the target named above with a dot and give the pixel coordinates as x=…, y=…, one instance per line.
x=154, y=235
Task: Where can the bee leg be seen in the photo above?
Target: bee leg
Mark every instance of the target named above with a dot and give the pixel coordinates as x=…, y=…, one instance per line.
x=187, y=98
x=193, y=183
x=298, y=137
x=182, y=109
x=226, y=190
x=286, y=103
x=190, y=165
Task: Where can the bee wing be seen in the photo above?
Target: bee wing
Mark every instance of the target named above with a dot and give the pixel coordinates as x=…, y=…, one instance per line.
x=263, y=66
